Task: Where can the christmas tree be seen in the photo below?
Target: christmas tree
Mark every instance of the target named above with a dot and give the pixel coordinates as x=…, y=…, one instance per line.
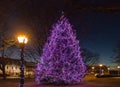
x=61, y=61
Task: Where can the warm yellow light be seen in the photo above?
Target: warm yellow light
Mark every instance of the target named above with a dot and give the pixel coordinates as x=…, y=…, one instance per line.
x=22, y=39
x=118, y=67
x=93, y=67
x=100, y=65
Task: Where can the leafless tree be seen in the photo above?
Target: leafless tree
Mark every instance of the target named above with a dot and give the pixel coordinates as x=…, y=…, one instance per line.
x=116, y=54
x=5, y=44
x=89, y=57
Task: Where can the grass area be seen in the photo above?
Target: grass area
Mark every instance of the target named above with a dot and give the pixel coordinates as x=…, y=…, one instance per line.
x=89, y=81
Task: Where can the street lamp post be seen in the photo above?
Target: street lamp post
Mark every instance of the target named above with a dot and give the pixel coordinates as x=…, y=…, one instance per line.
x=93, y=69
x=22, y=41
x=108, y=70
x=118, y=70
x=100, y=69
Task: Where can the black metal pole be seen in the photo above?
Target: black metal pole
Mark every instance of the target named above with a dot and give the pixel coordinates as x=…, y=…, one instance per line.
x=22, y=66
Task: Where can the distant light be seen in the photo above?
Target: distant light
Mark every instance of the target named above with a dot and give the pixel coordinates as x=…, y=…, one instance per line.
x=100, y=65
x=118, y=67
x=93, y=67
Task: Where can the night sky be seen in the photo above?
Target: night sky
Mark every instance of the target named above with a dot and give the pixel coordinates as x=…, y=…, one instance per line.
x=95, y=21
x=105, y=35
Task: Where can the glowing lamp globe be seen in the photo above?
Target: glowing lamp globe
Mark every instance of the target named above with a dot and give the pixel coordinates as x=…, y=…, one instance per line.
x=22, y=39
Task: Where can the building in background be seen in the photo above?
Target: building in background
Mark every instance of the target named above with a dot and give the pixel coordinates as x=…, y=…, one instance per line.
x=12, y=68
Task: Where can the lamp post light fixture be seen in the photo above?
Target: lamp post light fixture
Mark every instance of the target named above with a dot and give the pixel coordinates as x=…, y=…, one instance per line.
x=22, y=41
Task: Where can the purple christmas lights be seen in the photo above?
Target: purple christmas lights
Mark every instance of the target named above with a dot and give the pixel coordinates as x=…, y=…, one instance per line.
x=61, y=61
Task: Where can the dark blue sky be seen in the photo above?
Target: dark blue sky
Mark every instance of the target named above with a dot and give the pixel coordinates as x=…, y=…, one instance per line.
x=104, y=36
